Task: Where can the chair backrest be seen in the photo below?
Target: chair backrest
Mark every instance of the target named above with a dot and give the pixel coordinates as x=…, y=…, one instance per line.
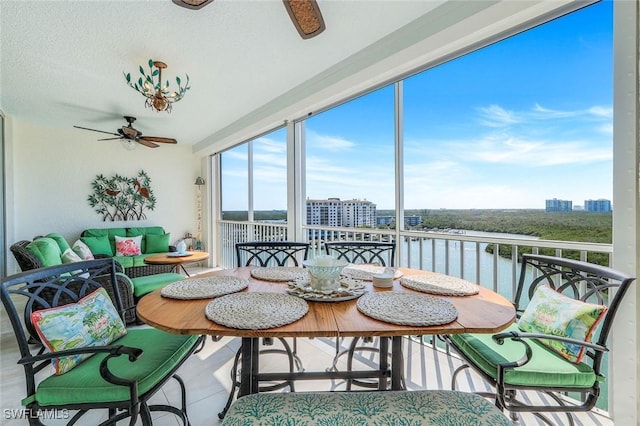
x=362, y=251
x=582, y=281
x=26, y=260
x=44, y=288
x=271, y=253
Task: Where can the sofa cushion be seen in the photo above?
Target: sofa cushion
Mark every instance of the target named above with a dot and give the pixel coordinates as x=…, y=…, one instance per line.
x=46, y=250
x=110, y=233
x=125, y=261
x=144, y=231
x=70, y=256
x=128, y=246
x=92, y=321
x=157, y=243
x=82, y=250
x=98, y=245
x=60, y=240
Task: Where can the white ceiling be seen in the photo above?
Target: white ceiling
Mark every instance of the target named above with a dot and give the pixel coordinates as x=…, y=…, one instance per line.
x=62, y=62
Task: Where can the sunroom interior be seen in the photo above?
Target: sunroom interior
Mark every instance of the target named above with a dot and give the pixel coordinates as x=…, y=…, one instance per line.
x=253, y=77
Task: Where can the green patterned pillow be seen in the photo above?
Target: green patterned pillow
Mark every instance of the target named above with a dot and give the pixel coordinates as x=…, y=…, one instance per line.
x=92, y=321
x=553, y=313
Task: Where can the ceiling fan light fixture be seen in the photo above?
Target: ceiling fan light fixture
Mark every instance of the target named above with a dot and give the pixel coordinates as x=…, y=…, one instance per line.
x=306, y=16
x=159, y=97
x=192, y=4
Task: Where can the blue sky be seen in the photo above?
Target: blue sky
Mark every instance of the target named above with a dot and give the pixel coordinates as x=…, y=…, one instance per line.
x=518, y=122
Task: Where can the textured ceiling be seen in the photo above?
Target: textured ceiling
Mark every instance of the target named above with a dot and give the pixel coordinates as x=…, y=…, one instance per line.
x=62, y=62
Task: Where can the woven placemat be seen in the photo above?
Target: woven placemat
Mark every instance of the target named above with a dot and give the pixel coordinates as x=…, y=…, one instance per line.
x=280, y=273
x=366, y=271
x=204, y=288
x=440, y=284
x=407, y=308
x=256, y=310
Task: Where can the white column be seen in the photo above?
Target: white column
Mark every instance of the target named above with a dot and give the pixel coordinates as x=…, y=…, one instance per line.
x=623, y=376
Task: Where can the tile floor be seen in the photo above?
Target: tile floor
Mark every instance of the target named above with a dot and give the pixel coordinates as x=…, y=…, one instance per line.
x=208, y=382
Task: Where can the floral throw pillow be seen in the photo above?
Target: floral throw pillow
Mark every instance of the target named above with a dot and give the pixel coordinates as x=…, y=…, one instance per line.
x=128, y=246
x=553, y=313
x=92, y=321
x=82, y=250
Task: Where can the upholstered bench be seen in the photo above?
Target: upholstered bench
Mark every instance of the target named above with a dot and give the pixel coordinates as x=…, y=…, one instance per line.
x=149, y=283
x=433, y=407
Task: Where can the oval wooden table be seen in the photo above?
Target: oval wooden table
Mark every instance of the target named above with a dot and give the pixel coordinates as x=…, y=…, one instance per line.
x=178, y=262
x=485, y=312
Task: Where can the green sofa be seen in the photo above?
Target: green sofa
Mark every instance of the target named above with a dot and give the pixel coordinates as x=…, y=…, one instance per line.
x=101, y=242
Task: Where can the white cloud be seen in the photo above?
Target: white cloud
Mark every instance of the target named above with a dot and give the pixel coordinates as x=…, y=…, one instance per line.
x=328, y=142
x=496, y=116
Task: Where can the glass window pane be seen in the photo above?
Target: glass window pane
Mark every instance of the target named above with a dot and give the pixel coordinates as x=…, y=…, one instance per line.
x=270, y=176
x=234, y=183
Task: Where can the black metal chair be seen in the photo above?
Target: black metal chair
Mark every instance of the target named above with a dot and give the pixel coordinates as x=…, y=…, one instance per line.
x=516, y=360
x=362, y=251
x=373, y=252
x=116, y=377
x=264, y=254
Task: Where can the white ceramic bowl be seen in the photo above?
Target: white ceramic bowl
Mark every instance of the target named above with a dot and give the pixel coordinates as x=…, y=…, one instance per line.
x=325, y=272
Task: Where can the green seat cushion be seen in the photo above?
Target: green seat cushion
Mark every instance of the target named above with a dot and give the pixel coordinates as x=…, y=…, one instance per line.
x=433, y=407
x=162, y=352
x=125, y=261
x=144, y=231
x=60, y=240
x=546, y=368
x=149, y=283
x=46, y=250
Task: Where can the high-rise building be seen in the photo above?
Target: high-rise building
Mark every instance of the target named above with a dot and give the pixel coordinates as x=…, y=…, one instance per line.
x=347, y=213
x=556, y=205
x=600, y=205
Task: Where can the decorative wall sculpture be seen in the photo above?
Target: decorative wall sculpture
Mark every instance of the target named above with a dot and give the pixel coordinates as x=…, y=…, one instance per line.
x=122, y=198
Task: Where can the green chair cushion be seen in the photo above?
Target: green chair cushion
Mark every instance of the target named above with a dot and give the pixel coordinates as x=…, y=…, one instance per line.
x=98, y=245
x=149, y=283
x=365, y=408
x=125, y=261
x=162, y=352
x=60, y=240
x=46, y=250
x=546, y=368
x=110, y=233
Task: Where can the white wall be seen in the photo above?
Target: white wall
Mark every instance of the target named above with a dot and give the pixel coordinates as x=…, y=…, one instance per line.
x=52, y=170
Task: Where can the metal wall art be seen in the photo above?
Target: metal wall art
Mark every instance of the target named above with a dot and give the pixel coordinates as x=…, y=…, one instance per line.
x=122, y=198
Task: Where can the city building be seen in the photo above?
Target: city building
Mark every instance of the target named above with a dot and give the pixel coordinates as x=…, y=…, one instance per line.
x=335, y=212
x=555, y=205
x=600, y=205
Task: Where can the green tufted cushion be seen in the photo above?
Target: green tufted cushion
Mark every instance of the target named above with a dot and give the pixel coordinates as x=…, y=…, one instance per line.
x=162, y=352
x=546, y=368
x=365, y=408
x=149, y=283
x=46, y=250
x=59, y=239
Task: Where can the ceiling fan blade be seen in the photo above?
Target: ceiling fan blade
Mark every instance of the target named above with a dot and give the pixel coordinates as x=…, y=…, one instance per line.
x=109, y=139
x=147, y=143
x=157, y=139
x=94, y=130
x=306, y=17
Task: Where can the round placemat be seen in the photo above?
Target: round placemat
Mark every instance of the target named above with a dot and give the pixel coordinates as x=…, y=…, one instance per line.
x=256, y=310
x=407, y=308
x=440, y=284
x=366, y=271
x=280, y=273
x=204, y=288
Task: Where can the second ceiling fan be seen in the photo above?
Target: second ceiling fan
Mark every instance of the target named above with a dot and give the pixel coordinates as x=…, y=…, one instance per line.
x=132, y=135
x=305, y=14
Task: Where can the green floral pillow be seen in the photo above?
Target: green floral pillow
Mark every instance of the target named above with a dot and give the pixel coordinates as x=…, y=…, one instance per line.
x=92, y=321
x=553, y=313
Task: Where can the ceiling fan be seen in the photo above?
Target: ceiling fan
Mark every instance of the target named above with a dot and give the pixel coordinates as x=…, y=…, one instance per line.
x=305, y=14
x=130, y=135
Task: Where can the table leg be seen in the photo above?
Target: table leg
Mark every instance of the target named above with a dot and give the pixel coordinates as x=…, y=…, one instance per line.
x=384, y=361
x=397, y=363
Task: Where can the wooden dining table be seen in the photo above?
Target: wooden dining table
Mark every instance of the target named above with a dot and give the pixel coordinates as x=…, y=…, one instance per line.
x=485, y=312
